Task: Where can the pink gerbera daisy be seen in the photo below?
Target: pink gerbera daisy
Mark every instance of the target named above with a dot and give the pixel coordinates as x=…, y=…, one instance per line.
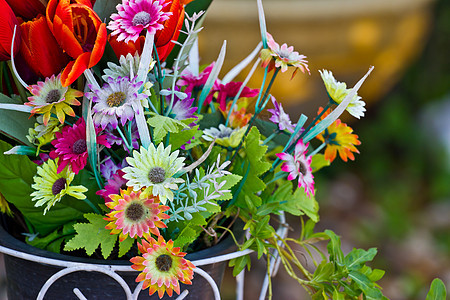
x=299, y=166
x=71, y=146
x=282, y=57
x=136, y=15
x=135, y=214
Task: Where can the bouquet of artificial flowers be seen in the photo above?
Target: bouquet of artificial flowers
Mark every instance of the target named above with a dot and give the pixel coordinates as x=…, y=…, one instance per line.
x=117, y=141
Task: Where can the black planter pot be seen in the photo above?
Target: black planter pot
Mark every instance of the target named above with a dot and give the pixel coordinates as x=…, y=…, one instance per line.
x=25, y=278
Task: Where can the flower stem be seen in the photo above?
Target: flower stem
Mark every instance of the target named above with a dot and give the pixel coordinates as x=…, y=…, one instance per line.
x=91, y=205
x=317, y=150
x=125, y=141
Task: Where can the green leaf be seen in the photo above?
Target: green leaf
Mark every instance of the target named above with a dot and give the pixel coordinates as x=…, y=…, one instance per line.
x=366, y=286
x=376, y=275
x=16, y=178
x=92, y=235
x=318, y=162
x=52, y=242
x=357, y=257
x=190, y=230
x=104, y=9
x=179, y=139
x=255, y=166
x=15, y=124
x=338, y=295
x=248, y=243
x=334, y=247
x=437, y=290
x=163, y=125
x=307, y=204
x=126, y=245
x=323, y=272
x=239, y=264
x=260, y=247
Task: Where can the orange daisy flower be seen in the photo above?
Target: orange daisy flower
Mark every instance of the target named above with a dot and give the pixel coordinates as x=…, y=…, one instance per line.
x=339, y=139
x=162, y=267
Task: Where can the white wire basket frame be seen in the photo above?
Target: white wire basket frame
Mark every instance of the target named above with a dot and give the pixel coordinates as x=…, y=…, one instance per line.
x=110, y=270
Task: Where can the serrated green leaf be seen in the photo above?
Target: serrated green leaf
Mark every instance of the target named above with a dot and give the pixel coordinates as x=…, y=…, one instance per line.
x=255, y=166
x=437, y=290
x=92, y=235
x=357, y=257
x=16, y=178
x=179, y=139
x=190, y=230
x=318, y=162
x=163, y=125
x=15, y=124
x=125, y=245
x=307, y=204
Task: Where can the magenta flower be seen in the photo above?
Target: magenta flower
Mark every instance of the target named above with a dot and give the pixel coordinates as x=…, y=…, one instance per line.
x=119, y=98
x=71, y=146
x=193, y=82
x=280, y=117
x=136, y=15
x=115, y=184
x=228, y=92
x=299, y=166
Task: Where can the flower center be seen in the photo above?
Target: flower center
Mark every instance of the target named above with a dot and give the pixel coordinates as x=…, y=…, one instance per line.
x=53, y=96
x=302, y=168
x=116, y=99
x=134, y=212
x=157, y=175
x=164, y=262
x=58, y=186
x=79, y=146
x=141, y=18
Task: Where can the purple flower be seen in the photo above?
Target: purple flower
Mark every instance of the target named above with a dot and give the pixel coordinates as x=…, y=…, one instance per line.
x=108, y=167
x=182, y=108
x=280, y=117
x=114, y=139
x=119, y=98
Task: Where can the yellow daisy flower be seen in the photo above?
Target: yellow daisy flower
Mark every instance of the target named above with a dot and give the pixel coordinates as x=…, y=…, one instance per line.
x=51, y=97
x=51, y=186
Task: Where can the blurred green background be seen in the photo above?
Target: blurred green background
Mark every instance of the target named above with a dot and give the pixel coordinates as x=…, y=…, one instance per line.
x=396, y=195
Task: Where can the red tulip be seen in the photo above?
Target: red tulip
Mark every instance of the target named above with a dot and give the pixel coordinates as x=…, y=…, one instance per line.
x=8, y=21
x=80, y=32
x=28, y=9
x=40, y=49
x=122, y=48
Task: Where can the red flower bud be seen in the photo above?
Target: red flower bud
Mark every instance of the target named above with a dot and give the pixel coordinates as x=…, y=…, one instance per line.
x=7, y=24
